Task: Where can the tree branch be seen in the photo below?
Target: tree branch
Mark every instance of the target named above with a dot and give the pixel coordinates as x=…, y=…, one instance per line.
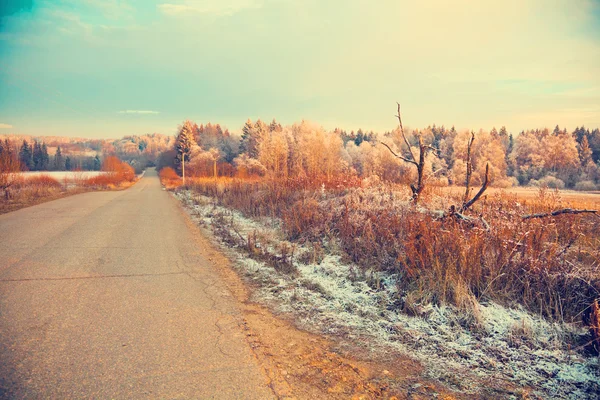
x=399, y=156
x=469, y=168
x=559, y=212
x=486, y=182
x=404, y=136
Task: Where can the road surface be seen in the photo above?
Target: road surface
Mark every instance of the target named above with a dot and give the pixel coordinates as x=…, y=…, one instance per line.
x=107, y=295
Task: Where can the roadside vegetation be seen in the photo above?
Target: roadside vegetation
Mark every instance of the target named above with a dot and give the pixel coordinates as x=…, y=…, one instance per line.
x=367, y=241
x=20, y=190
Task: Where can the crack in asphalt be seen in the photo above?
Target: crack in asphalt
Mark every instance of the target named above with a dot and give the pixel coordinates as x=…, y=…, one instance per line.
x=213, y=306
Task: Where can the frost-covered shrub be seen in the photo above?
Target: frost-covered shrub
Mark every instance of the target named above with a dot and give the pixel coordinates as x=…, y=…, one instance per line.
x=552, y=182
x=506, y=183
x=586, y=186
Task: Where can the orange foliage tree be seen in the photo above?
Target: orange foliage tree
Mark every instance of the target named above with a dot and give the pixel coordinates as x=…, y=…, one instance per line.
x=118, y=170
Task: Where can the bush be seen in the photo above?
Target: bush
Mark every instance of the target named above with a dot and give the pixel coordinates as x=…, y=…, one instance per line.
x=586, y=186
x=116, y=171
x=506, y=183
x=551, y=182
x=168, y=177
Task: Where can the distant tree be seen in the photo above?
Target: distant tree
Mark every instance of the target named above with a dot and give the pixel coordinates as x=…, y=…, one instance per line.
x=479, y=159
x=494, y=133
x=561, y=156
x=45, y=158
x=229, y=148
x=68, y=165
x=585, y=151
x=556, y=131
x=273, y=153
x=594, y=141
x=26, y=156
x=59, y=162
x=360, y=137
x=97, y=163
x=9, y=164
x=275, y=126
x=37, y=156
x=249, y=140
x=183, y=145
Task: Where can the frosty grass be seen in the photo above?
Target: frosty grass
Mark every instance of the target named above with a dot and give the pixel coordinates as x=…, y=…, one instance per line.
x=512, y=345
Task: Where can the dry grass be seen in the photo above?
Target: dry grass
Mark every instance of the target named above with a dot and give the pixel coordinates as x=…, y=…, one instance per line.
x=26, y=191
x=169, y=178
x=549, y=265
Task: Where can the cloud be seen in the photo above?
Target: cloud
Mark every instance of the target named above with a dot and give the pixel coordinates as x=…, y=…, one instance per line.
x=211, y=7
x=139, y=112
x=5, y=126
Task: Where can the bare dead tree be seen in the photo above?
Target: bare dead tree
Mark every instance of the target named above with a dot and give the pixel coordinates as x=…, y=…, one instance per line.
x=486, y=180
x=484, y=186
x=411, y=159
x=457, y=212
x=469, y=167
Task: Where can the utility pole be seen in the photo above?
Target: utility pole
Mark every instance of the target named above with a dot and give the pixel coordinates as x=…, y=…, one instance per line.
x=183, y=168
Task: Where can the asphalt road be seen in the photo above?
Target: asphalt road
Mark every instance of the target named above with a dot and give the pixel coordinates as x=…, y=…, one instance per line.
x=107, y=295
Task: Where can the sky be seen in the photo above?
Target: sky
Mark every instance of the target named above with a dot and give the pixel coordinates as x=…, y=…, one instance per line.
x=108, y=68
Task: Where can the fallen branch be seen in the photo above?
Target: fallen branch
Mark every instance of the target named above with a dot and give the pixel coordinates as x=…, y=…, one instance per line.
x=559, y=212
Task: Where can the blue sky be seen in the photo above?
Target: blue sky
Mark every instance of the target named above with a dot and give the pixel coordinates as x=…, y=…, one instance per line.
x=106, y=68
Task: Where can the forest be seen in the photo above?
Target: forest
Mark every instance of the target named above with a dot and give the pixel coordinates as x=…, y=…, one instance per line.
x=539, y=157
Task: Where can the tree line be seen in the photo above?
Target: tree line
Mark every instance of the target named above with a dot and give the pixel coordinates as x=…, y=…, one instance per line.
x=554, y=158
x=55, y=153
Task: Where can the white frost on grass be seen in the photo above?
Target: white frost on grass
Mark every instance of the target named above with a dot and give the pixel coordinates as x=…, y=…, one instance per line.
x=331, y=297
x=62, y=175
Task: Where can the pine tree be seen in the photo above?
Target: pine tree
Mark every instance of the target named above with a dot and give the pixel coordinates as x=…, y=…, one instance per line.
x=45, y=164
x=59, y=162
x=183, y=145
x=275, y=126
x=37, y=156
x=556, y=130
x=26, y=157
x=251, y=136
x=246, y=136
x=68, y=163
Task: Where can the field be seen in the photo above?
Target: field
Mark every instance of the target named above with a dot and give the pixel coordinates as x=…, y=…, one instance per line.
x=70, y=176
x=500, y=300
x=23, y=189
x=572, y=197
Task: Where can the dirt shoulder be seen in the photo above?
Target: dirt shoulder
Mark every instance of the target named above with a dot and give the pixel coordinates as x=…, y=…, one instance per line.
x=11, y=205
x=307, y=366
x=18, y=202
